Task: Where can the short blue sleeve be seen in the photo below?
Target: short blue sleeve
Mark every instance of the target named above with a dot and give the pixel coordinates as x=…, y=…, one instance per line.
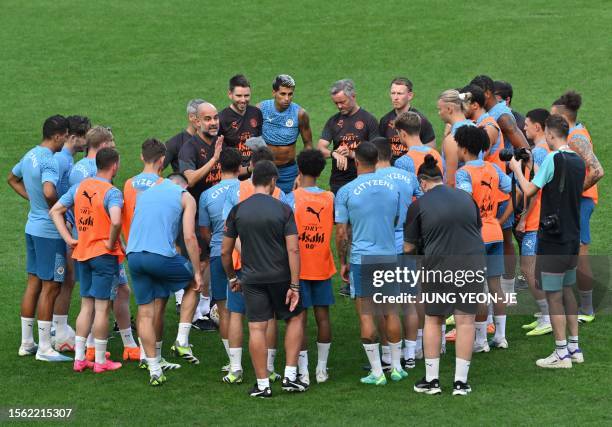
x=77, y=174
x=231, y=200
x=289, y=199
x=67, y=199
x=49, y=171
x=17, y=169
x=505, y=183
x=113, y=198
x=341, y=206
x=284, y=199
x=203, y=217
x=539, y=154
x=406, y=163
x=417, y=188
x=463, y=180
x=546, y=172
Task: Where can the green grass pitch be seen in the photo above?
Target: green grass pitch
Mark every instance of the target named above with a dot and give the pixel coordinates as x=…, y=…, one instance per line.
x=133, y=65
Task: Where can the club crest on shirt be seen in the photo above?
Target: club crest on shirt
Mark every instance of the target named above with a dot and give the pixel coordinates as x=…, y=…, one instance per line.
x=253, y=123
x=234, y=124
x=340, y=123
x=359, y=125
x=289, y=123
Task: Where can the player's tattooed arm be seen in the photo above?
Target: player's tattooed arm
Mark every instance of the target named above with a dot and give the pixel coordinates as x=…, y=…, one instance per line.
x=304, y=126
x=342, y=242
x=511, y=131
x=594, y=169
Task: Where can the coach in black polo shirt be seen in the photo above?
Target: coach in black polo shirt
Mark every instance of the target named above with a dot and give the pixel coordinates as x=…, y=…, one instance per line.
x=199, y=157
x=401, y=97
x=561, y=179
x=240, y=121
x=444, y=226
x=345, y=131
x=174, y=144
x=270, y=274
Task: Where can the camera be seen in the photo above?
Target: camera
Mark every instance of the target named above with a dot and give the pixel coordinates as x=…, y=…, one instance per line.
x=519, y=154
x=550, y=224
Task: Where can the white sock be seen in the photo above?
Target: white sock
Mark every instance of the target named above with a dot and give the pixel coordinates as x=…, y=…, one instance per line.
x=500, y=327
x=204, y=305
x=303, y=362
x=44, y=335
x=178, y=296
x=158, y=348
x=386, y=354
x=263, y=383
x=197, y=314
x=432, y=369
x=419, y=340
x=154, y=368
x=443, y=341
x=481, y=333
x=322, y=355
x=409, y=349
x=271, y=358
x=90, y=340
x=490, y=314
x=396, y=355
x=27, y=330
x=100, y=350
x=561, y=348
x=183, y=334
x=60, y=323
x=127, y=337
x=572, y=343
x=235, y=356
x=143, y=356
x=586, y=302
x=462, y=367
x=225, y=342
x=291, y=372
x=373, y=354
x=507, y=285
x=79, y=347
x=543, y=305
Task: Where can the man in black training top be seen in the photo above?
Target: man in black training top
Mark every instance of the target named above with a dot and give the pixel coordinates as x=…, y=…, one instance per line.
x=174, y=144
x=450, y=241
x=401, y=98
x=270, y=274
x=345, y=130
x=240, y=121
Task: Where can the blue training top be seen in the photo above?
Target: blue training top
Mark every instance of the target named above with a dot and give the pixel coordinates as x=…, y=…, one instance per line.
x=35, y=168
x=210, y=211
x=159, y=209
x=64, y=162
x=279, y=128
x=371, y=204
x=408, y=187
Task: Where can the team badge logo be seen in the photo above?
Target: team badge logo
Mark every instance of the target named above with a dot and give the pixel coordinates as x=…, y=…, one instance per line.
x=359, y=125
x=60, y=271
x=391, y=124
x=253, y=123
x=234, y=125
x=289, y=123
x=340, y=123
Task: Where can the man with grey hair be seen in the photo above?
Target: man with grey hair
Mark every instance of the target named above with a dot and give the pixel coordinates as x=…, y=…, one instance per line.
x=345, y=130
x=174, y=144
x=283, y=120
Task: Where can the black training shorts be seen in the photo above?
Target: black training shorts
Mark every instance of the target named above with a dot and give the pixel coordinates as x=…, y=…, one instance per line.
x=267, y=301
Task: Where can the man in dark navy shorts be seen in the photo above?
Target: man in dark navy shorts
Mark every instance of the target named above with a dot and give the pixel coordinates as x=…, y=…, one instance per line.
x=270, y=274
